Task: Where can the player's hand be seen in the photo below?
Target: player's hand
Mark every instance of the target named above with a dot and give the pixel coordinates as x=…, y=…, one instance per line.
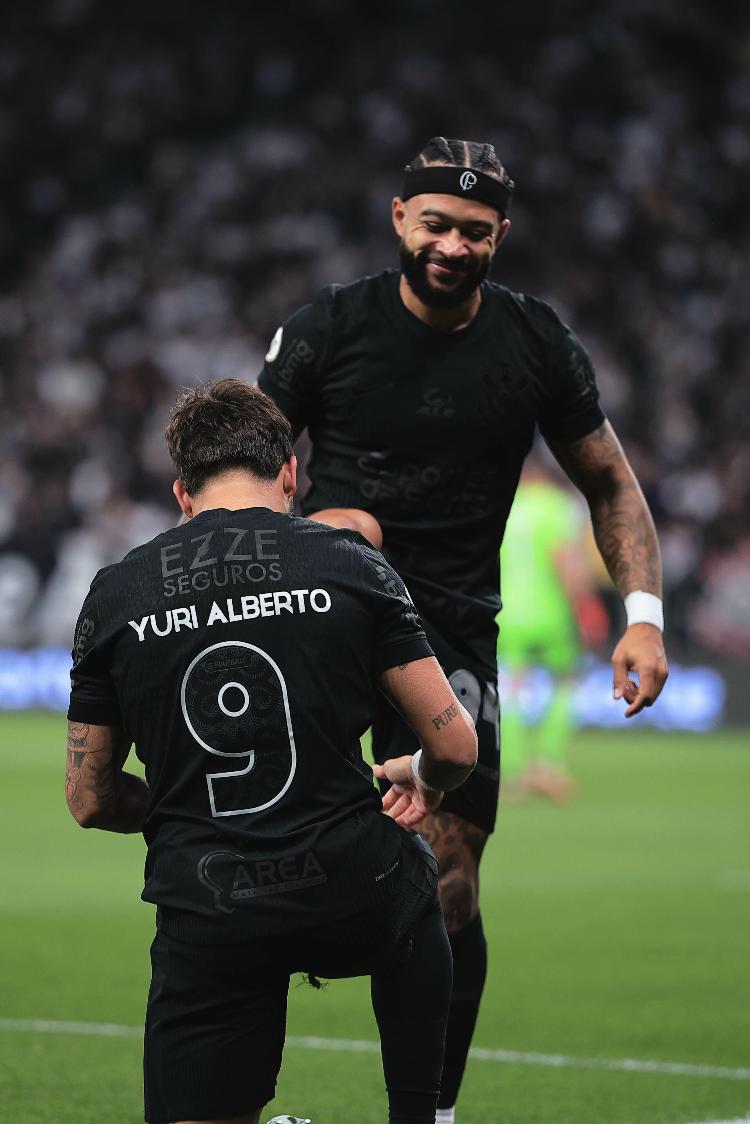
x=641, y=649
x=353, y=519
x=406, y=801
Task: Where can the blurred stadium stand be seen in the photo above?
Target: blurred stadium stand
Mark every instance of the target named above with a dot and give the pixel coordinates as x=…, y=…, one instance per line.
x=179, y=177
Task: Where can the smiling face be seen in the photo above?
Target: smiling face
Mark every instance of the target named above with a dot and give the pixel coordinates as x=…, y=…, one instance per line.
x=447, y=245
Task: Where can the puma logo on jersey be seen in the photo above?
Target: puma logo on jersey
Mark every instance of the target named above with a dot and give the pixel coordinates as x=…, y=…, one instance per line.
x=438, y=403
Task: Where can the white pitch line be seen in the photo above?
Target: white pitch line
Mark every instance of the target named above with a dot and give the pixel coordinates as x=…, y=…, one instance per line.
x=555, y=1061
x=363, y=1046
x=55, y=1026
x=737, y=1120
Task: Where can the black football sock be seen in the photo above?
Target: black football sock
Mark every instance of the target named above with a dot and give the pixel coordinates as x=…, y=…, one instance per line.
x=411, y=1006
x=469, y=973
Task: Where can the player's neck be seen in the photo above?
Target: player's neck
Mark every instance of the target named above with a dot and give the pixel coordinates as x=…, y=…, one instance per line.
x=444, y=319
x=236, y=497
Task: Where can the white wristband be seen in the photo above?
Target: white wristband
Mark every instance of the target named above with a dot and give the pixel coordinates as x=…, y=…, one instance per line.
x=416, y=758
x=644, y=608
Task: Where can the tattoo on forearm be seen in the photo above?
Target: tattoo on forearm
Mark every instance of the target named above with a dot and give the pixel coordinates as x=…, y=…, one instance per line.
x=88, y=769
x=445, y=717
x=78, y=733
x=72, y=780
x=623, y=527
x=95, y=785
x=627, y=541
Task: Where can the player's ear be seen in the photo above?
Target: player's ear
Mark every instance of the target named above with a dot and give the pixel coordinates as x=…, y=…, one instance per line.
x=183, y=499
x=289, y=477
x=504, y=228
x=398, y=214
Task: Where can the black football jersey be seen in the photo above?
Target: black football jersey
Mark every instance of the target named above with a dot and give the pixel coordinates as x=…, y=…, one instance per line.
x=241, y=653
x=428, y=430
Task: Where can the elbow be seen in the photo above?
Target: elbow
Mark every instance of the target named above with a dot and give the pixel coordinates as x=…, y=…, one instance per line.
x=461, y=749
x=368, y=527
x=469, y=749
x=86, y=815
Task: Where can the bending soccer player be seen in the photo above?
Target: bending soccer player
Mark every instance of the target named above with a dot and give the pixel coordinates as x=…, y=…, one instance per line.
x=422, y=390
x=242, y=653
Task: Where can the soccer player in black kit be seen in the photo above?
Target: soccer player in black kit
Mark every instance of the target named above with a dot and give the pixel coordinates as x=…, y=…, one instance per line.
x=242, y=652
x=422, y=390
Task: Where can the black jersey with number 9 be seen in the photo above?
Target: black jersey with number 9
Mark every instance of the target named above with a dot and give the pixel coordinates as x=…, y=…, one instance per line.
x=241, y=654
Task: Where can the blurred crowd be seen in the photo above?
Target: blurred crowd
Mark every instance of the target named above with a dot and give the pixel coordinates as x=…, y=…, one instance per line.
x=180, y=177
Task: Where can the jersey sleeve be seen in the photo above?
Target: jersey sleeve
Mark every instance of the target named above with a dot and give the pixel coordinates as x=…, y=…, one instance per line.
x=399, y=636
x=92, y=693
x=295, y=358
x=571, y=409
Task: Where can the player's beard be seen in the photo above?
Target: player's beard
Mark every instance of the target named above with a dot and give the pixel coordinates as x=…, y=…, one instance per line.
x=414, y=269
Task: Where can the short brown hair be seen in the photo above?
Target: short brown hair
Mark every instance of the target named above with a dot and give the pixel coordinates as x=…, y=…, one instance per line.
x=227, y=424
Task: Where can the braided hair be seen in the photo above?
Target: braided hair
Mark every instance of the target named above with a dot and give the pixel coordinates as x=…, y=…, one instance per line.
x=461, y=154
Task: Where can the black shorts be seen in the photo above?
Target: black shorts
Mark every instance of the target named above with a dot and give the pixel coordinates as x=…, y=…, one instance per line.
x=216, y=1016
x=476, y=686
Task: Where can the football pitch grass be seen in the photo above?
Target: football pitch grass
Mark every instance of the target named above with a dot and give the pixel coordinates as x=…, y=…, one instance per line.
x=618, y=928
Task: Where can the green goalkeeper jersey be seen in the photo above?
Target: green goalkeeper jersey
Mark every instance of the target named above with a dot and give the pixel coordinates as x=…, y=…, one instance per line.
x=537, y=614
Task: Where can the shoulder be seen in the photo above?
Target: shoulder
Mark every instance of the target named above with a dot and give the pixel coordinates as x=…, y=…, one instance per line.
x=334, y=302
x=346, y=550
x=103, y=583
x=529, y=312
x=92, y=626
x=360, y=295
x=120, y=580
x=308, y=333
x=336, y=540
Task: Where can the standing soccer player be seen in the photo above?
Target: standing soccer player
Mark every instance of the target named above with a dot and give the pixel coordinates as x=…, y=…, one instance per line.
x=242, y=652
x=422, y=390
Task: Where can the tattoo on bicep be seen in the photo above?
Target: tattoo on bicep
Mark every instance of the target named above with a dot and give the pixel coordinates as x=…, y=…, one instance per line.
x=590, y=460
x=78, y=733
x=445, y=717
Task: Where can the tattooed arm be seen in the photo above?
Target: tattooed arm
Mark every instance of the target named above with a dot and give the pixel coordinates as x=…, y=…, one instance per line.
x=626, y=537
x=425, y=698
x=99, y=794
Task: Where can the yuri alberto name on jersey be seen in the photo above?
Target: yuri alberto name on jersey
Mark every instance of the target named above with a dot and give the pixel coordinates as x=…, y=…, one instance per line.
x=234, y=609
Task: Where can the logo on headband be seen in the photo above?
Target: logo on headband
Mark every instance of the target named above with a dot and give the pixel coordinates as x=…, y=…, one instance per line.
x=467, y=181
